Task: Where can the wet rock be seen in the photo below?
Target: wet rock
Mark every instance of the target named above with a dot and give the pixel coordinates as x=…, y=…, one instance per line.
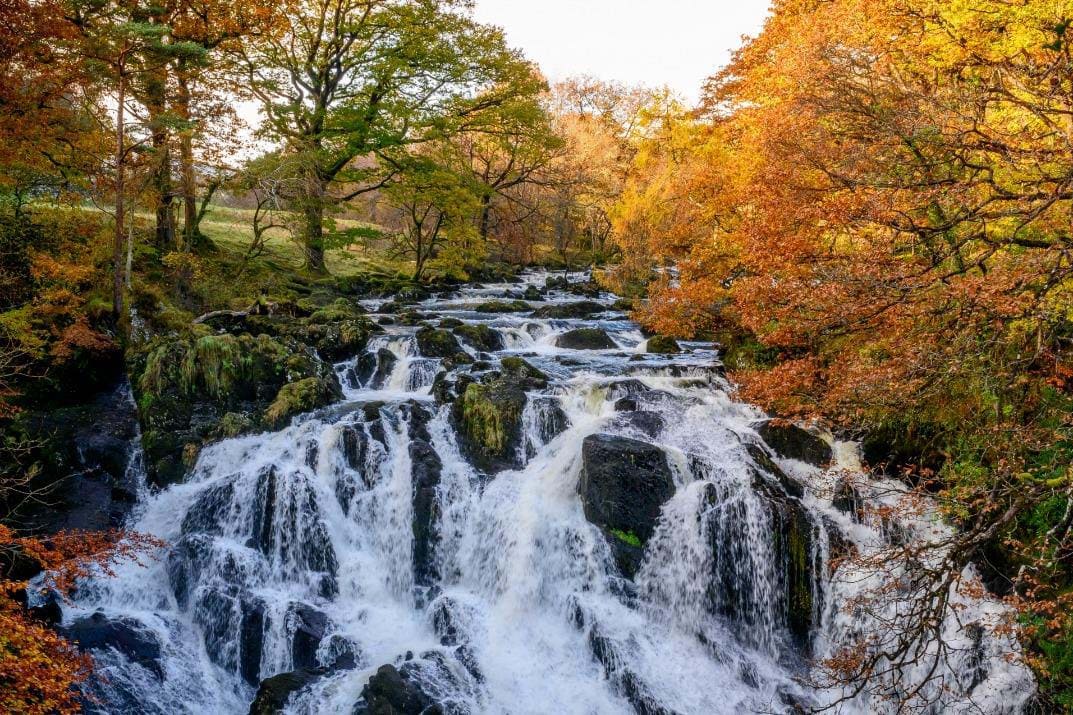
x=273, y=693
x=586, y=339
x=556, y=282
x=480, y=337
x=663, y=345
x=564, y=311
x=393, y=692
x=503, y=306
x=307, y=626
x=488, y=414
x=848, y=500
x=303, y=396
x=126, y=635
x=792, y=442
x=624, y=680
x=647, y=423
x=373, y=369
x=187, y=386
x=532, y=293
x=450, y=323
x=624, y=483
x=427, y=470
x=435, y=343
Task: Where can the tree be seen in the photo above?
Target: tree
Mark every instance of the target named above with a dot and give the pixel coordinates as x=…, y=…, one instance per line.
x=345, y=80
x=435, y=202
x=874, y=209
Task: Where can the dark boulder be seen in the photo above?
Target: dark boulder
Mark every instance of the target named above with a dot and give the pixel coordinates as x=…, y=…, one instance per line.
x=644, y=422
x=624, y=483
x=307, y=626
x=792, y=442
x=373, y=369
x=435, y=343
x=480, y=337
x=565, y=311
x=586, y=339
x=394, y=692
x=427, y=469
x=502, y=306
x=273, y=693
x=125, y=635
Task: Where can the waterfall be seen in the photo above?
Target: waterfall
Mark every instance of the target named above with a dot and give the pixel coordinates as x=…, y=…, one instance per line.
x=361, y=553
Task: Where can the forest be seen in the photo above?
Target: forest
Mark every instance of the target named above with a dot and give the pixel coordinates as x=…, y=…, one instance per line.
x=868, y=217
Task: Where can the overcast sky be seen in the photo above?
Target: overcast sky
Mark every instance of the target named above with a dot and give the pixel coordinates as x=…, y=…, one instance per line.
x=653, y=42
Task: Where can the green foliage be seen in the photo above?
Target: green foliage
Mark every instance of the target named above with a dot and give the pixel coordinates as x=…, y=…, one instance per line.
x=627, y=537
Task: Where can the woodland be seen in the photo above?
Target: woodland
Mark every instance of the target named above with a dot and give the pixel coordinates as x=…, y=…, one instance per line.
x=870, y=212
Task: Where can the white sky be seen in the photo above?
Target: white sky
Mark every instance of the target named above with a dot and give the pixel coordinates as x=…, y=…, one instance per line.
x=653, y=42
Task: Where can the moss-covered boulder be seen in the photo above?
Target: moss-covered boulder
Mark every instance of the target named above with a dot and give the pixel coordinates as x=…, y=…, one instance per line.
x=297, y=397
x=480, y=337
x=504, y=306
x=565, y=311
x=586, y=339
x=192, y=390
x=662, y=345
x=488, y=414
x=793, y=442
x=437, y=343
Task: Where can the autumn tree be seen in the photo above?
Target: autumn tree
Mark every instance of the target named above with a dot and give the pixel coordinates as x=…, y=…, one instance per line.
x=872, y=212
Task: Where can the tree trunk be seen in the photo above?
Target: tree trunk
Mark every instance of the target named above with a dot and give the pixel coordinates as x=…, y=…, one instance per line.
x=117, y=245
x=313, y=241
x=191, y=234
x=162, y=185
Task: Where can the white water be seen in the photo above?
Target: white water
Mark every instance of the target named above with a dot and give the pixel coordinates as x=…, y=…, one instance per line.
x=320, y=517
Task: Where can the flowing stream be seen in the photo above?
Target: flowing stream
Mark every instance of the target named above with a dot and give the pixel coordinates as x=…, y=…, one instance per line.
x=362, y=536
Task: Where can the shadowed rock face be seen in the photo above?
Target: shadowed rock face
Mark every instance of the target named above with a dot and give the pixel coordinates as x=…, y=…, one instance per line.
x=624, y=483
x=792, y=442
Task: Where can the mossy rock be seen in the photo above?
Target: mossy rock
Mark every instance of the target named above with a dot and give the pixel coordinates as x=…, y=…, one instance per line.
x=504, y=306
x=437, y=343
x=480, y=337
x=586, y=339
x=518, y=369
x=565, y=311
x=663, y=345
x=297, y=397
x=490, y=421
x=450, y=323
x=193, y=390
x=338, y=310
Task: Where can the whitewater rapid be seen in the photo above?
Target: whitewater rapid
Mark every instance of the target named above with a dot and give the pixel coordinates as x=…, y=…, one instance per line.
x=296, y=550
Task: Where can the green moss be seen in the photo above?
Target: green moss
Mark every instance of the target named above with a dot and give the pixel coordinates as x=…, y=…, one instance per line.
x=215, y=363
x=298, y=397
x=480, y=337
x=233, y=424
x=437, y=343
x=663, y=345
x=500, y=306
x=341, y=309
x=626, y=537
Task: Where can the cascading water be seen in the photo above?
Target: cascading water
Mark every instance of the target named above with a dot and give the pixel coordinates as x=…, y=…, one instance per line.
x=362, y=536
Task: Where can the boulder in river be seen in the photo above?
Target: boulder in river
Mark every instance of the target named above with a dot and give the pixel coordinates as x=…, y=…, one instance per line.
x=480, y=337
x=504, y=306
x=663, y=345
x=792, y=442
x=435, y=343
x=580, y=309
x=125, y=635
x=586, y=339
x=489, y=414
x=624, y=483
x=392, y=691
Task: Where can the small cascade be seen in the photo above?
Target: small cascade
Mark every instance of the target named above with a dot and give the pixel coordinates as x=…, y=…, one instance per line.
x=534, y=529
